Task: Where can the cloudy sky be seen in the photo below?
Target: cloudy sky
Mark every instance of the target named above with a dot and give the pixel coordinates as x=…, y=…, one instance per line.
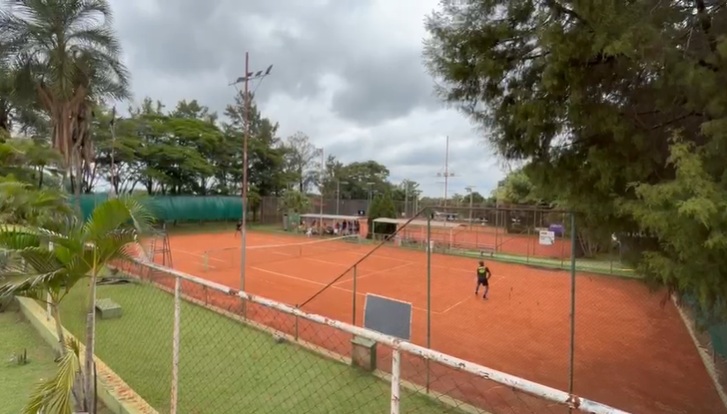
x=348, y=73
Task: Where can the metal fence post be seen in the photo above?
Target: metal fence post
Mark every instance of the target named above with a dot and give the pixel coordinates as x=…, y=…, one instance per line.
x=564, y=240
x=571, y=362
x=354, y=295
x=395, y=380
x=175, y=346
x=429, y=289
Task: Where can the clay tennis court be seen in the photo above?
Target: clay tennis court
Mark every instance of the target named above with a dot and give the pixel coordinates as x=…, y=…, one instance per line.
x=491, y=238
x=630, y=351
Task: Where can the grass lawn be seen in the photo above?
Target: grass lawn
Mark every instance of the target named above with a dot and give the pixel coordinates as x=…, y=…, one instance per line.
x=18, y=381
x=225, y=366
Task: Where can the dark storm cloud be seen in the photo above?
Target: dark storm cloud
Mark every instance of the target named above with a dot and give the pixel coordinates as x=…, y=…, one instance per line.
x=346, y=72
x=303, y=40
x=383, y=89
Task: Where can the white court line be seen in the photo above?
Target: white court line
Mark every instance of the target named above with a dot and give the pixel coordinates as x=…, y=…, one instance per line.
x=454, y=269
x=325, y=284
x=376, y=272
x=336, y=285
x=455, y=305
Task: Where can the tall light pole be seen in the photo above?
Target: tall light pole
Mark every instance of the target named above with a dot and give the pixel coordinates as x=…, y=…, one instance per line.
x=338, y=195
x=371, y=192
x=446, y=174
x=406, y=198
x=320, y=208
x=470, y=189
x=249, y=76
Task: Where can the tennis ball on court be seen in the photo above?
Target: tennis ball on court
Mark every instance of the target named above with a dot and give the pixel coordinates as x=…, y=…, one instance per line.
x=278, y=339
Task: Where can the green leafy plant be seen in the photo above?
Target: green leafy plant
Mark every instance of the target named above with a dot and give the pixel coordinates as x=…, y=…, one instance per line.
x=46, y=264
x=54, y=395
x=20, y=358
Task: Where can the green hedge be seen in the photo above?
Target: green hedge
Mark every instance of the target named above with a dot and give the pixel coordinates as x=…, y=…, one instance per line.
x=179, y=208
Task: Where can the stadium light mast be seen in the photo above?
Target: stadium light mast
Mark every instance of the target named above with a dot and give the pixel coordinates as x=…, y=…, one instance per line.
x=371, y=196
x=446, y=174
x=249, y=76
x=338, y=195
x=320, y=208
x=470, y=189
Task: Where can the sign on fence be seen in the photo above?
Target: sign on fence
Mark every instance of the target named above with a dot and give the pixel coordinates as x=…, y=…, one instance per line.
x=388, y=316
x=546, y=238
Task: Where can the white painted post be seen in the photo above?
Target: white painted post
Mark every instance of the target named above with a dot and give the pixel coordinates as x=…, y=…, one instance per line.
x=175, y=345
x=510, y=381
x=395, y=380
x=48, y=298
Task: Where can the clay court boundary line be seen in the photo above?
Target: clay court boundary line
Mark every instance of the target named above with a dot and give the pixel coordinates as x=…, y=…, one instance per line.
x=331, y=287
x=405, y=263
x=291, y=257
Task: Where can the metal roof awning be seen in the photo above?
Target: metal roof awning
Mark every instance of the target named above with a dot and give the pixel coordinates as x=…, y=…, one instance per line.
x=419, y=223
x=328, y=217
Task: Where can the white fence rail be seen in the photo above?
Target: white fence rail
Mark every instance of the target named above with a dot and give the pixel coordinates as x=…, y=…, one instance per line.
x=398, y=347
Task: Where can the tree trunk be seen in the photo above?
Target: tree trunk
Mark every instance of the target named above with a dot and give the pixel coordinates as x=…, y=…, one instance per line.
x=56, y=315
x=78, y=385
x=90, y=344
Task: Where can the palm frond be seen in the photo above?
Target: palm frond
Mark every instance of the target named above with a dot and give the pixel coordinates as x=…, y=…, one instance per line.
x=54, y=395
x=35, y=286
x=16, y=237
x=116, y=214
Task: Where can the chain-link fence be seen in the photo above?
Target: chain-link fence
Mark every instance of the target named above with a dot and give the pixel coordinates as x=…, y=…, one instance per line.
x=225, y=351
x=549, y=319
x=509, y=233
x=214, y=349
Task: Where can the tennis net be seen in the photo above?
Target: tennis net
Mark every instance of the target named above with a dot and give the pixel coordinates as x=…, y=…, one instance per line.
x=229, y=258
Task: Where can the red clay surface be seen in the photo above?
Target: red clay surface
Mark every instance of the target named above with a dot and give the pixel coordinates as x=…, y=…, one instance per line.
x=492, y=238
x=630, y=351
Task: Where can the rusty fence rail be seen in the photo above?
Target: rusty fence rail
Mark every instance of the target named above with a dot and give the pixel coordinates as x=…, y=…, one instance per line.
x=463, y=386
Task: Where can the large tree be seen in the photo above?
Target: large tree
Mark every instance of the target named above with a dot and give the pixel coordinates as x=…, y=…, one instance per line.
x=266, y=153
x=591, y=94
x=68, y=55
x=303, y=160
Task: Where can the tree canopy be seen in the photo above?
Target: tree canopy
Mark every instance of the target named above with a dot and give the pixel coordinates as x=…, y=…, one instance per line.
x=616, y=109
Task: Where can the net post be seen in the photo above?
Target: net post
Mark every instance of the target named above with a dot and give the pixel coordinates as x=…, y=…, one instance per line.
x=296, y=327
x=353, y=301
x=395, y=380
x=571, y=354
x=429, y=289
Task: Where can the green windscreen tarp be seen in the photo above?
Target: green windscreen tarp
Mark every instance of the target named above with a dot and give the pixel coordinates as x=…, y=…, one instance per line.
x=710, y=320
x=179, y=208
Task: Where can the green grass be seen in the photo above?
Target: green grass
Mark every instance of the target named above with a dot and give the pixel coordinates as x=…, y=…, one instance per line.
x=18, y=381
x=225, y=366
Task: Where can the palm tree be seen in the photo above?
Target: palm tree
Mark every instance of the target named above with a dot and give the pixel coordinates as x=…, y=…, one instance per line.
x=67, y=54
x=54, y=394
x=23, y=205
x=50, y=263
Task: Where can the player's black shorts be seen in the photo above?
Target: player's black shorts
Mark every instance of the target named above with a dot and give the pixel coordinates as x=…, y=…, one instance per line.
x=482, y=281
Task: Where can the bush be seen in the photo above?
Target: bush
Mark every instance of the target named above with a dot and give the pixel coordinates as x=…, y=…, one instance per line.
x=381, y=206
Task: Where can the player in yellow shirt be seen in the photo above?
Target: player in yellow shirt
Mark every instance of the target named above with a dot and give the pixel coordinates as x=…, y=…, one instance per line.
x=483, y=279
